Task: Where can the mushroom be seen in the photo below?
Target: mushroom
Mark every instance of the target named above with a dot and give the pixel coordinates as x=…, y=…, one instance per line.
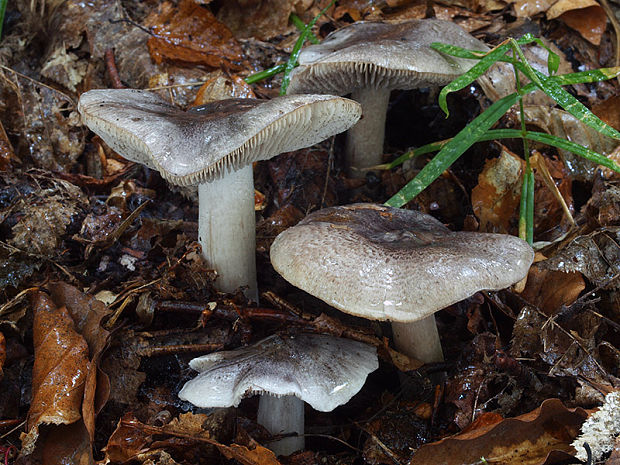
x=385, y=263
x=324, y=371
x=214, y=146
x=370, y=59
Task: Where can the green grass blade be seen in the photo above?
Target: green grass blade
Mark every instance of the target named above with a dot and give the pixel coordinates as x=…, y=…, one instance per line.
x=2, y=13
x=470, y=76
x=300, y=25
x=452, y=151
x=526, y=208
x=292, y=60
x=252, y=78
x=428, y=148
x=574, y=106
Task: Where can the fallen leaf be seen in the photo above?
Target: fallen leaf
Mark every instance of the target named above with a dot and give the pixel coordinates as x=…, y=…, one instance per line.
x=603, y=207
x=585, y=16
x=263, y=20
x=221, y=86
x=496, y=197
x=7, y=155
x=191, y=34
x=609, y=111
x=549, y=290
x=59, y=371
x=527, y=439
x=529, y=8
x=88, y=312
x=258, y=456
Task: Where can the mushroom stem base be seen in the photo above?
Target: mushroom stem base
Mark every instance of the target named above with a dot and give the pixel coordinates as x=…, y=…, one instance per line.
x=226, y=230
x=282, y=415
x=418, y=339
x=365, y=139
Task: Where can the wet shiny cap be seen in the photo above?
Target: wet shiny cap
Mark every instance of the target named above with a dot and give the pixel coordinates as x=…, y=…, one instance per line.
x=382, y=55
x=386, y=263
x=323, y=370
x=195, y=146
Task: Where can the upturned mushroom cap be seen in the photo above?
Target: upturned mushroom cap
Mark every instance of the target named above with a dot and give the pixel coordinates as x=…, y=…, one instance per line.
x=382, y=55
x=191, y=147
x=322, y=370
x=386, y=263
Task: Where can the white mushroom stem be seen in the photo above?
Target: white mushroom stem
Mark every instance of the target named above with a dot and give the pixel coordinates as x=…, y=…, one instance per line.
x=418, y=339
x=365, y=139
x=226, y=230
x=283, y=415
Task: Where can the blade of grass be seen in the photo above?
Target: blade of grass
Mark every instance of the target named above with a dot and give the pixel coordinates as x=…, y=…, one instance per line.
x=252, y=78
x=453, y=150
x=300, y=25
x=526, y=208
x=292, y=60
x=2, y=13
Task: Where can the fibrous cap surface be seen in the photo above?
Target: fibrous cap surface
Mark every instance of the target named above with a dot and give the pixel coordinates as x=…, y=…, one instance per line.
x=323, y=370
x=190, y=147
x=386, y=263
x=382, y=55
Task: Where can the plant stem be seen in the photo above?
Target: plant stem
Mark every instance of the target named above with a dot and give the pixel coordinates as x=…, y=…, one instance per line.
x=252, y=78
x=299, y=24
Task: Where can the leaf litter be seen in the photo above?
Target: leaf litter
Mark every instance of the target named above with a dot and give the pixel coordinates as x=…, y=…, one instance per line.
x=97, y=382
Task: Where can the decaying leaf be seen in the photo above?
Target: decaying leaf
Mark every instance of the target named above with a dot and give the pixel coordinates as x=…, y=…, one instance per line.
x=496, y=197
x=263, y=20
x=47, y=119
x=191, y=34
x=59, y=372
x=549, y=290
x=562, y=124
x=596, y=256
x=220, y=86
x=585, y=16
x=2, y=353
x=529, y=8
x=527, y=439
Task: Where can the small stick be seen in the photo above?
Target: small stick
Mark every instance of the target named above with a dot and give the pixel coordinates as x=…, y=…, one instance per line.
x=113, y=70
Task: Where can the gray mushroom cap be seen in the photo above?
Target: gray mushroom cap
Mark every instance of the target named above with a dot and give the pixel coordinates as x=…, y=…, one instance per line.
x=386, y=263
x=323, y=370
x=191, y=147
x=382, y=55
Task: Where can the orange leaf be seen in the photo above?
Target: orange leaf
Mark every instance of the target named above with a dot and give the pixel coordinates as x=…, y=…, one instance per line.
x=527, y=439
x=59, y=372
x=585, y=16
x=191, y=34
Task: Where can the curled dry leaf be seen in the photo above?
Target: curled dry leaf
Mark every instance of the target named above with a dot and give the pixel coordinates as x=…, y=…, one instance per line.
x=527, y=439
x=191, y=34
x=87, y=312
x=585, y=16
x=59, y=372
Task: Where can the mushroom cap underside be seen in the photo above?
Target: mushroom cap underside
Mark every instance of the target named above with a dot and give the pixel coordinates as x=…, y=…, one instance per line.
x=386, y=263
x=382, y=55
x=190, y=147
x=323, y=370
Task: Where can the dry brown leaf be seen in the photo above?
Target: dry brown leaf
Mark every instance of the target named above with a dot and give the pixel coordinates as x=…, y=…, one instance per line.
x=527, y=439
x=609, y=111
x=585, y=16
x=257, y=456
x=222, y=86
x=59, y=372
x=496, y=197
x=126, y=441
x=549, y=290
x=87, y=312
x=529, y=8
x=191, y=34
x=262, y=20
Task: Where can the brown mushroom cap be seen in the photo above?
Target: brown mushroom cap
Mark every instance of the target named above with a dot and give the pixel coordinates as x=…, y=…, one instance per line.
x=382, y=55
x=325, y=371
x=195, y=146
x=386, y=263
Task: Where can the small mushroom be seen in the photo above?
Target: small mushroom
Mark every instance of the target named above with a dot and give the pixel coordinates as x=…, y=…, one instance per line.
x=214, y=146
x=370, y=59
x=322, y=370
x=385, y=263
